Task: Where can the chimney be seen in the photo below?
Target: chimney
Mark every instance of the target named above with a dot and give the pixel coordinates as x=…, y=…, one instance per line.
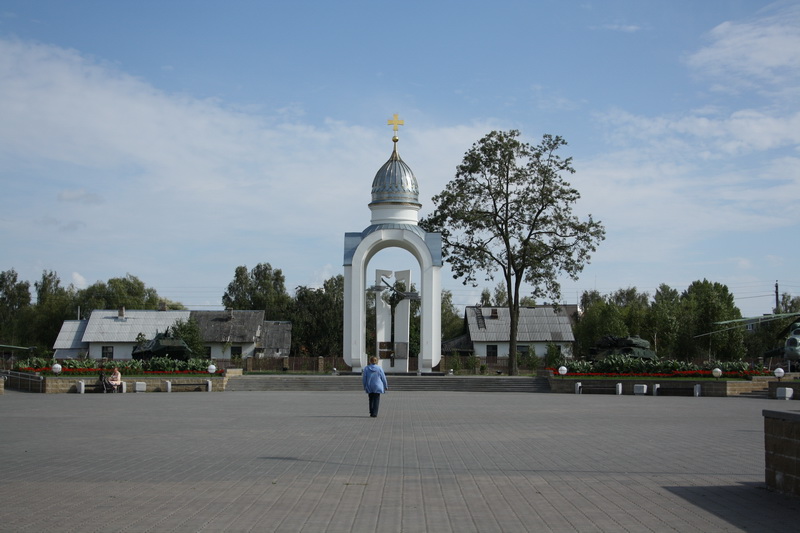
x=121, y=312
x=494, y=314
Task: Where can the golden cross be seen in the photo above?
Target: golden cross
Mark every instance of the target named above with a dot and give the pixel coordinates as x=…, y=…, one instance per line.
x=394, y=122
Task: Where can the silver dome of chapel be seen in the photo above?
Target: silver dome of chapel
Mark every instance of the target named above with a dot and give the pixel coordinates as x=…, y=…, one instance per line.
x=395, y=183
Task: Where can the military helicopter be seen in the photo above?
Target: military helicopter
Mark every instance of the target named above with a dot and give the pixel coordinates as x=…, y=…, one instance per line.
x=791, y=347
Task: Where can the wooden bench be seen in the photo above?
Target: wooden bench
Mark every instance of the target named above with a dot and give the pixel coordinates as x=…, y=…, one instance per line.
x=82, y=385
x=200, y=386
x=587, y=387
x=666, y=390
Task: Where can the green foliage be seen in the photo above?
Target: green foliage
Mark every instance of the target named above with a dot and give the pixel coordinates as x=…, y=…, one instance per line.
x=529, y=359
x=126, y=366
x=553, y=357
x=600, y=319
x=189, y=332
x=703, y=304
x=452, y=322
x=198, y=364
x=128, y=292
x=25, y=324
x=621, y=364
x=317, y=317
x=673, y=323
x=166, y=364
x=454, y=362
x=15, y=297
x=580, y=367
x=261, y=288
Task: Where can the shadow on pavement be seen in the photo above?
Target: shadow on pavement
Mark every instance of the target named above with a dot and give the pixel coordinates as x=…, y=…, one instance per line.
x=747, y=506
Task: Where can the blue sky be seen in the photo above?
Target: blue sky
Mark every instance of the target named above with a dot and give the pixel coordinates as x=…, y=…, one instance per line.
x=177, y=140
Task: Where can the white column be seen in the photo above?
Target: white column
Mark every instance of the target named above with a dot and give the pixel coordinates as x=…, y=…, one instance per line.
x=431, y=319
x=383, y=312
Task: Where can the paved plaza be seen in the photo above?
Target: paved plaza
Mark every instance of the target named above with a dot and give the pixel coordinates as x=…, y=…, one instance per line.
x=432, y=461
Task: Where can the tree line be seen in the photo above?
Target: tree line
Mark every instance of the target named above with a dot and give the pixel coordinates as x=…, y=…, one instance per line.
x=316, y=313
x=680, y=325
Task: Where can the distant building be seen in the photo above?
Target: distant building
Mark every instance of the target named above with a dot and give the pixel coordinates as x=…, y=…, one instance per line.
x=113, y=334
x=234, y=333
x=489, y=331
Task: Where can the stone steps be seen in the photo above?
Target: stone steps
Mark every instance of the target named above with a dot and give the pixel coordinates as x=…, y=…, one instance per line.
x=396, y=383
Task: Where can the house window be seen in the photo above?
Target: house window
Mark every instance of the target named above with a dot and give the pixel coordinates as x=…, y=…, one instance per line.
x=108, y=352
x=207, y=351
x=236, y=351
x=523, y=350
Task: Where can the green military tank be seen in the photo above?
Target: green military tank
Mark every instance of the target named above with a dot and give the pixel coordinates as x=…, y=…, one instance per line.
x=630, y=346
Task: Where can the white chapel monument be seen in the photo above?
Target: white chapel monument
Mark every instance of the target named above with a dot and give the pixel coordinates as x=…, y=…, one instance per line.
x=395, y=224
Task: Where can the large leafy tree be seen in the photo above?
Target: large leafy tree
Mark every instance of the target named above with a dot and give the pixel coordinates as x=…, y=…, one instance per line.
x=599, y=319
x=189, y=332
x=317, y=319
x=452, y=322
x=662, y=321
x=635, y=307
x=703, y=304
x=54, y=304
x=509, y=210
x=260, y=288
x=129, y=292
x=15, y=297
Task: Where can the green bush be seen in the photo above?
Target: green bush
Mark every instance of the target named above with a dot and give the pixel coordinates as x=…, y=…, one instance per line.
x=165, y=364
x=454, y=362
x=579, y=367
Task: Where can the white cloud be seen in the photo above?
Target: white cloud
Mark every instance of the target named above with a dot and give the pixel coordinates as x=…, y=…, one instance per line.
x=624, y=28
x=80, y=196
x=79, y=281
x=761, y=52
x=136, y=176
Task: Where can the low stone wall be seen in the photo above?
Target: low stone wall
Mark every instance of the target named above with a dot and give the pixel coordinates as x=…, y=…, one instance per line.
x=721, y=388
x=782, y=451
x=67, y=384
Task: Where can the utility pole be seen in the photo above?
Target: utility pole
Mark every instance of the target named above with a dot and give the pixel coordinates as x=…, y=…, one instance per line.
x=777, y=300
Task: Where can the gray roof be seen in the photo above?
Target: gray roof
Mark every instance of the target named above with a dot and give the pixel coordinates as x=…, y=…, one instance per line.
x=277, y=336
x=233, y=326
x=536, y=324
x=71, y=335
x=109, y=326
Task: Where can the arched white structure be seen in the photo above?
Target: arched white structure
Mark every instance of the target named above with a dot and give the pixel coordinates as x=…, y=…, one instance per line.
x=395, y=207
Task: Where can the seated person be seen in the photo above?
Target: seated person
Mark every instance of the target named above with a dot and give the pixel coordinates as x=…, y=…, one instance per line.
x=115, y=379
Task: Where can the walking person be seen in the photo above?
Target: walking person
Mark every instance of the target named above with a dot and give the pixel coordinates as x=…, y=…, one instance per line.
x=374, y=381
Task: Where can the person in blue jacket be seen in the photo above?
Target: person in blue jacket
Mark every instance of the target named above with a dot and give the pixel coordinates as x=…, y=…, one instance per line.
x=374, y=381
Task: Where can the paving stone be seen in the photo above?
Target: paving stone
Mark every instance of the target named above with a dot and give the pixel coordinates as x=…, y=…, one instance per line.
x=432, y=461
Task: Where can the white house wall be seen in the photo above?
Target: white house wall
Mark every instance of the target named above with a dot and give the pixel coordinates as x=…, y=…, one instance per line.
x=503, y=348
x=122, y=350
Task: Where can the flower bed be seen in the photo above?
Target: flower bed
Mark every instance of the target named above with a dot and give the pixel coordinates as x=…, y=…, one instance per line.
x=127, y=367
x=621, y=366
x=684, y=374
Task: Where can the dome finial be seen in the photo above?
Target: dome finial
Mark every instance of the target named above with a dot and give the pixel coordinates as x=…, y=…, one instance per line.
x=395, y=122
